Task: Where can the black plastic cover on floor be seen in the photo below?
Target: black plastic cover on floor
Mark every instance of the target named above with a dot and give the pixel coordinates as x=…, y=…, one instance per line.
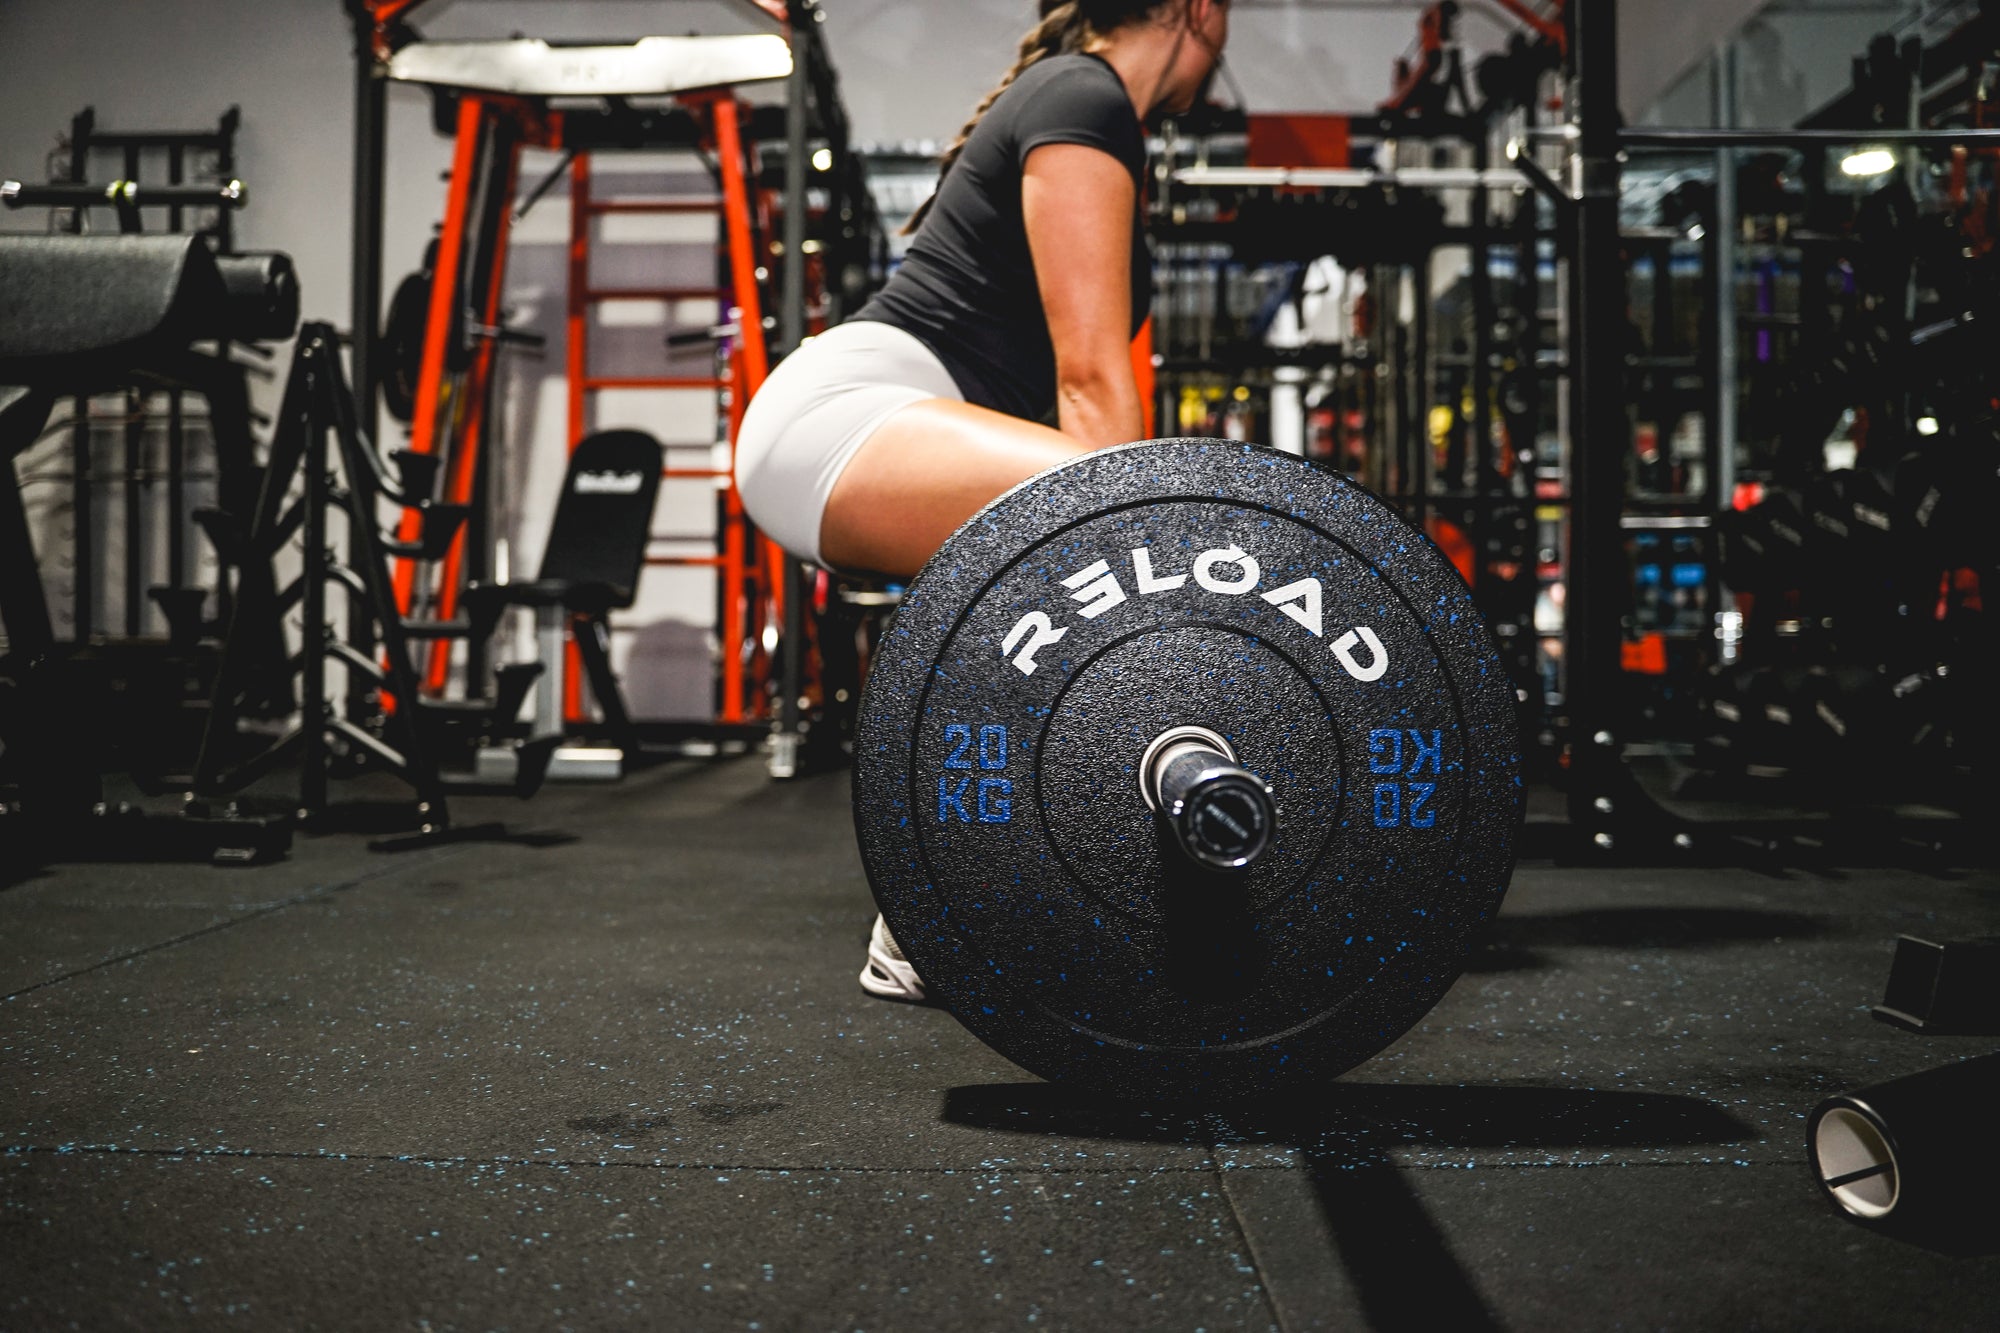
x=615, y=1070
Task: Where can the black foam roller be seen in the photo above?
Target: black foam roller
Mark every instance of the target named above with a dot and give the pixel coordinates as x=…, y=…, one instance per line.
x=263, y=295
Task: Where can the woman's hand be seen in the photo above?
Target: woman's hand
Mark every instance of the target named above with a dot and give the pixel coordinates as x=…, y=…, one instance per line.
x=1078, y=203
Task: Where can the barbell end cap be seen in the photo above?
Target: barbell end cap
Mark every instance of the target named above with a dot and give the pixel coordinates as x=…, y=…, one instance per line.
x=1226, y=823
x=1222, y=815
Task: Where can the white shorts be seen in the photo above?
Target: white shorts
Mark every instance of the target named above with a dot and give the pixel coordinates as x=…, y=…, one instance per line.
x=815, y=411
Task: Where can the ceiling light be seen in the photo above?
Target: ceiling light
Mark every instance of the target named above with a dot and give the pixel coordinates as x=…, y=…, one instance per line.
x=1868, y=162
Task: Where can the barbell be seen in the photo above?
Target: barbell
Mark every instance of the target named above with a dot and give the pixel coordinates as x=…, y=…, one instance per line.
x=1187, y=769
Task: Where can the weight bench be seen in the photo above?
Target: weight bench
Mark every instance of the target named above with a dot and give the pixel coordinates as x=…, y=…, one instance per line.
x=79, y=316
x=590, y=568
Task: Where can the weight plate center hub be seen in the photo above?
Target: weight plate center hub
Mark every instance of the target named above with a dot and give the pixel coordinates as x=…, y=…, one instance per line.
x=1033, y=670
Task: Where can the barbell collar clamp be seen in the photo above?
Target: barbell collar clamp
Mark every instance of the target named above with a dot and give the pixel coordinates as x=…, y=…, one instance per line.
x=1222, y=815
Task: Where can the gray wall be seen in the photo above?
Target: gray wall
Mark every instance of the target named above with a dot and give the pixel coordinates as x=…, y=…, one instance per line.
x=903, y=82
x=1659, y=39
x=1790, y=59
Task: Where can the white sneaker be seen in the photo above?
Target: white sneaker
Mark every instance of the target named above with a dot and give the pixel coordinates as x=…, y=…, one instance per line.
x=888, y=974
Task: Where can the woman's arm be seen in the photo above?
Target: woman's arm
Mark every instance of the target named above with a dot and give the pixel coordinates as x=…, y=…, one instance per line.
x=1077, y=203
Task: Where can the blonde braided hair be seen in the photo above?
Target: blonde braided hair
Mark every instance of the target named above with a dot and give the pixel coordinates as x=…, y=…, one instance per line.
x=1067, y=26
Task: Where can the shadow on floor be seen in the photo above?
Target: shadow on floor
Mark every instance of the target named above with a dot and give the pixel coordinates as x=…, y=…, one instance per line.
x=18, y=870
x=1404, y=1273
x=474, y=833
x=1402, y=1269
x=1513, y=943
x=1364, y=1117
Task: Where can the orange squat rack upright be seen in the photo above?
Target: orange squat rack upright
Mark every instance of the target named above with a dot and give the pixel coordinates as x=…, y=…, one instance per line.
x=450, y=403
x=742, y=566
x=498, y=98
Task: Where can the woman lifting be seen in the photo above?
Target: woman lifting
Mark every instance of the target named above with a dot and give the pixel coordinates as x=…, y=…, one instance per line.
x=1025, y=282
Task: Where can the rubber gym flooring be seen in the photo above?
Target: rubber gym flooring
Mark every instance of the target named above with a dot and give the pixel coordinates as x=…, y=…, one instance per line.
x=610, y=1068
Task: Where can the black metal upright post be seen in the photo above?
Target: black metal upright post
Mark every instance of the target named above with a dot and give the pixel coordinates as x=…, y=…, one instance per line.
x=1594, y=568
x=136, y=401
x=176, y=491
x=1480, y=347
x=1396, y=402
x=137, y=479
x=82, y=473
x=365, y=290
x=176, y=424
x=798, y=96
x=1528, y=304
x=315, y=710
x=1718, y=358
x=365, y=297
x=224, y=230
x=1415, y=485
x=1724, y=229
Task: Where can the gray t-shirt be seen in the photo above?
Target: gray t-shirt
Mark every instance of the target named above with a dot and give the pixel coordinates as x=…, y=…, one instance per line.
x=967, y=287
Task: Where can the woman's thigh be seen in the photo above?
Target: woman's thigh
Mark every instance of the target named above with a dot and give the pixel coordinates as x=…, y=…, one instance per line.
x=817, y=409
x=921, y=474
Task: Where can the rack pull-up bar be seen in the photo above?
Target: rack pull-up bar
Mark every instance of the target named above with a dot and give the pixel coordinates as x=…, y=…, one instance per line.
x=1335, y=178
x=1702, y=140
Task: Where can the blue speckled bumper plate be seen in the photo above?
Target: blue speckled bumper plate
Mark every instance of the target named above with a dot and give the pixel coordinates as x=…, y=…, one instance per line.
x=1166, y=584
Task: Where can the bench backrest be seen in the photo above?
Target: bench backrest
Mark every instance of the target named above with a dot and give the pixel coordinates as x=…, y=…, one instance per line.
x=605, y=516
